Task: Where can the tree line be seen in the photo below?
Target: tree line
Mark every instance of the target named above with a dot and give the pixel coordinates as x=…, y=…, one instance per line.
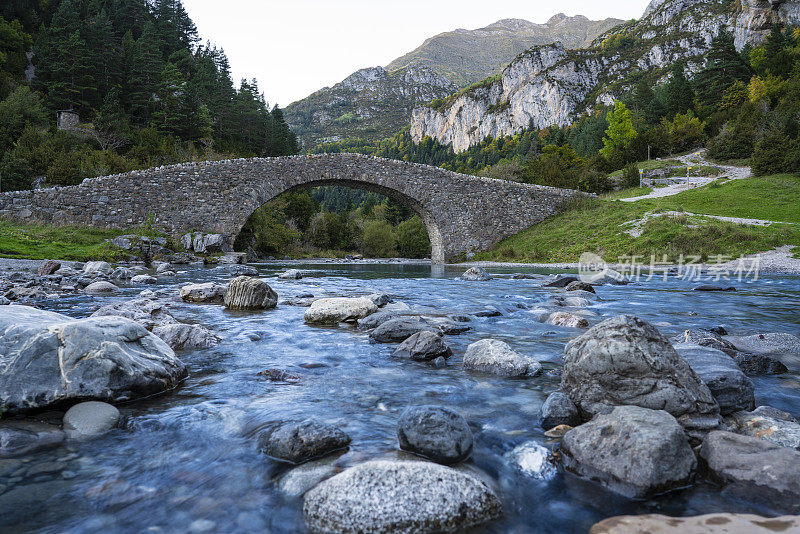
x=147, y=92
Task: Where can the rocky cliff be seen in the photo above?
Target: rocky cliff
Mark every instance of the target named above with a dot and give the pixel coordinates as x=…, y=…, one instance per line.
x=552, y=85
x=375, y=103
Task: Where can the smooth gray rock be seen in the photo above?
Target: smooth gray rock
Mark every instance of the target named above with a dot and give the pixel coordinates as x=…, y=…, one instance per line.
x=755, y=469
x=398, y=330
x=722, y=523
x=705, y=338
x=759, y=364
x=48, y=267
x=147, y=312
x=561, y=282
x=100, y=287
x=291, y=274
x=730, y=387
x=47, y=358
x=144, y=279
x=302, y=478
x=634, y=451
x=424, y=347
x=399, y=497
x=25, y=437
x=567, y=320
x=376, y=319
x=122, y=273
x=249, y=293
x=339, y=310
x=626, y=361
x=476, y=274
x=90, y=419
x=98, y=267
x=498, y=358
x=778, y=431
x=207, y=292
x=437, y=433
x=303, y=441
x=557, y=410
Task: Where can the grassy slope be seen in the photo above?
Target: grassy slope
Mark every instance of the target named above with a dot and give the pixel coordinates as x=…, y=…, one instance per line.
x=40, y=242
x=594, y=226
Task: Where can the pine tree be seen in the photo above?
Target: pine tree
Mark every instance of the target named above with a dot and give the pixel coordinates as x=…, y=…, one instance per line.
x=145, y=74
x=168, y=115
x=678, y=94
x=724, y=67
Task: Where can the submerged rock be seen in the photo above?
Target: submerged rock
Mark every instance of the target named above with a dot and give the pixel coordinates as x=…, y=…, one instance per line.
x=25, y=437
x=291, y=274
x=90, y=419
x=626, y=361
x=435, y=432
x=48, y=358
x=755, y=469
x=424, y=347
x=399, y=497
x=476, y=274
x=300, y=442
x=533, y=460
x=701, y=524
x=249, y=293
x=339, y=310
x=633, y=451
x=497, y=357
x=580, y=286
x=730, y=387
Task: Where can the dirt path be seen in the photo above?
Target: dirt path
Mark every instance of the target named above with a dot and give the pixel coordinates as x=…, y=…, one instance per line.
x=696, y=158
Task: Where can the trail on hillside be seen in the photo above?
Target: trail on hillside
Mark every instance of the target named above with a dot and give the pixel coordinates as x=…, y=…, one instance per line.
x=729, y=172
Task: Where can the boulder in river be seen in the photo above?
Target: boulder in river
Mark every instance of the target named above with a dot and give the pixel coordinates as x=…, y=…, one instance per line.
x=423, y=347
x=730, y=387
x=145, y=311
x=207, y=292
x=580, y=286
x=561, y=282
x=567, y=320
x=376, y=319
x=47, y=359
x=250, y=293
x=144, y=279
x=435, y=432
x=90, y=419
x=755, y=469
x=557, y=410
x=291, y=274
x=724, y=523
x=399, y=497
x=47, y=268
x=779, y=345
x=779, y=431
x=774, y=413
x=626, y=361
x=380, y=299
x=634, y=451
x=100, y=287
x=183, y=336
x=759, y=364
x=476, y=274
x=98, y=268
x=706, y=338
x=398, y=330
x=303, y=441
x=339, y=310
x=498, y=358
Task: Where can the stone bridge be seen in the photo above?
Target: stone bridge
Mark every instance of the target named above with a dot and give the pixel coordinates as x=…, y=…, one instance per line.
x=462, y=213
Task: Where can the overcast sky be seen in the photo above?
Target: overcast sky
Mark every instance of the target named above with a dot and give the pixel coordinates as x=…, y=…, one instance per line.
x=295, y=47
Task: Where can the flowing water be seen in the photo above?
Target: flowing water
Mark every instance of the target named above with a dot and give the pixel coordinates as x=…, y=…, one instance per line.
x=187, y=460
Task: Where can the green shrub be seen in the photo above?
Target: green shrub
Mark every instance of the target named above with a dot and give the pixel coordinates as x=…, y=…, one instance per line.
x=412, y=239
x=65, y=170
x=630, y=176
x=379, y=239
x=735, y=141
x=770, y=154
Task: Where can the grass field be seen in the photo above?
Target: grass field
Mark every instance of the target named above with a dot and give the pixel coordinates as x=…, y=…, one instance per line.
x=39, y=242
x=595, y=225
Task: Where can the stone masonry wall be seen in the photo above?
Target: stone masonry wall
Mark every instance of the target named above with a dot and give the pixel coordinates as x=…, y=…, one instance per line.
x=462, y=213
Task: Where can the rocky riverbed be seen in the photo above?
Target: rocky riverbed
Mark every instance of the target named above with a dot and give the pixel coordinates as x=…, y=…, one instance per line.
x=390, y=397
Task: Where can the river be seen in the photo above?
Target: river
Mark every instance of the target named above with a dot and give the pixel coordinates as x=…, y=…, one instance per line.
x=187, y=461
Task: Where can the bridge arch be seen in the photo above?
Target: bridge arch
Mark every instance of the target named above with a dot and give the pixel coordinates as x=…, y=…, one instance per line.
x=462, y=213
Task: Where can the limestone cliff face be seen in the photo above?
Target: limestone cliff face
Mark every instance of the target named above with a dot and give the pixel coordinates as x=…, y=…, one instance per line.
x=376, y=103
x=550, y=85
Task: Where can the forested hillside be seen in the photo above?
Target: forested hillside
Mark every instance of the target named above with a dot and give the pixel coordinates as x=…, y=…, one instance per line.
x=743, y=105
x=146, y=91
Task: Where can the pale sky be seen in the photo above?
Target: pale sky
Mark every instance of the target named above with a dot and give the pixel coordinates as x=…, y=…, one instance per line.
x=295, y=47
